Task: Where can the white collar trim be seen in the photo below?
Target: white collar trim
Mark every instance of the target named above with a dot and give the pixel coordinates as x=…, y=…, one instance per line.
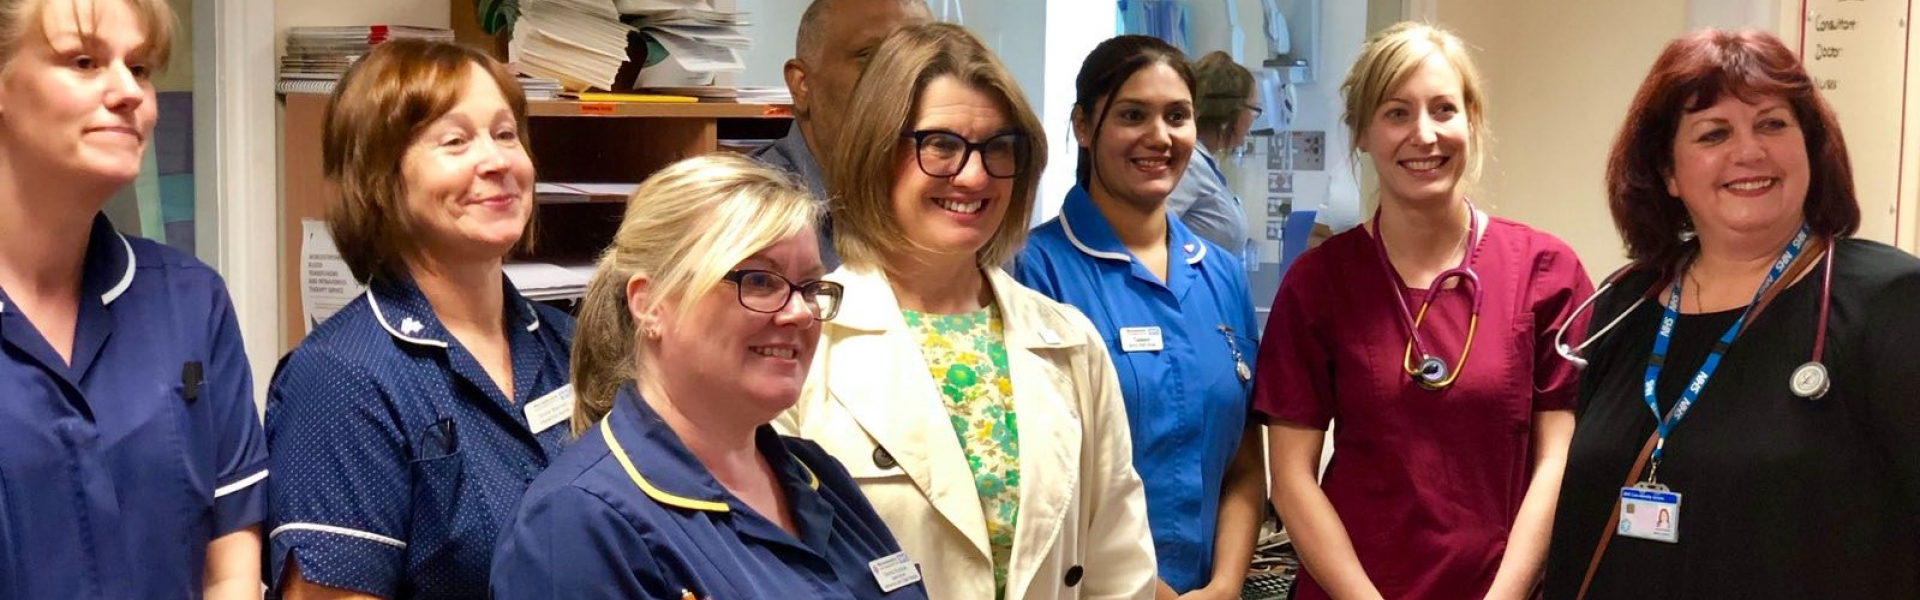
x=1066, y=225
x=382, y=318
x=126, y=279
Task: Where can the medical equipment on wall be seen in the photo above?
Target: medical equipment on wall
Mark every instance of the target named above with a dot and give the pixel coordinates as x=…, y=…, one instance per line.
x=1810, y=380
x=1433, y=372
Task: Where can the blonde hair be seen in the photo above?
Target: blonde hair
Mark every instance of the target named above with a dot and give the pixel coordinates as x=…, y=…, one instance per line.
x=1387, y=59
x=156, y=18
x=863, y=167
x=685, y=227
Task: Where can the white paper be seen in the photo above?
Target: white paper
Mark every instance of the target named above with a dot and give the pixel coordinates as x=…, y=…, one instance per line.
x=326, y=284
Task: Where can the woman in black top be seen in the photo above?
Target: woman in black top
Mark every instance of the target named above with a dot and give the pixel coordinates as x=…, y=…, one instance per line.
x=1793, y=482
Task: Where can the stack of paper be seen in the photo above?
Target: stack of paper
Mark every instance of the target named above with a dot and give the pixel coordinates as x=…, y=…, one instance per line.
x=699, y=41
x=575, y=193
x=580, y=43
x=316, y=57
x=543, y=282
x=540, y=88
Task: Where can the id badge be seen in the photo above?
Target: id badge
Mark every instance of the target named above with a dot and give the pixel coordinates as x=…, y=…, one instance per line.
x=1650, y=512
x=1141, y=339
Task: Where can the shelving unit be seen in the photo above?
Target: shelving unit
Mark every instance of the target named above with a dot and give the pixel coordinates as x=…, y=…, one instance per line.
x=594, y=142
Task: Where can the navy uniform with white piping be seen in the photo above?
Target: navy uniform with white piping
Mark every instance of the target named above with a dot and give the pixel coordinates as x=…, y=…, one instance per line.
x=402, y=460
x=1180, y=371
x=120, y=466
x=629, y=512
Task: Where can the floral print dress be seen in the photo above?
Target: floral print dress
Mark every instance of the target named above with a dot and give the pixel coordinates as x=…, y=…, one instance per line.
x=967, y=355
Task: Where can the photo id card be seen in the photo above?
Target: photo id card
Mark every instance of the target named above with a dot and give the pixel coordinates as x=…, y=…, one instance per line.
x=1650, y=513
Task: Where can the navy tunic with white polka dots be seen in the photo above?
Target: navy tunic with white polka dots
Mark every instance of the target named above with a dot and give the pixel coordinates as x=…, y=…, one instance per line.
x=397, y=459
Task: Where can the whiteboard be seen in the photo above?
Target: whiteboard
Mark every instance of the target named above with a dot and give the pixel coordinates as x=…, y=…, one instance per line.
x=1857, y=53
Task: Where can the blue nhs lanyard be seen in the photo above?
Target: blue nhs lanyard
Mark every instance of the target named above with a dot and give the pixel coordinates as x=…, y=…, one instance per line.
x=1660, y=342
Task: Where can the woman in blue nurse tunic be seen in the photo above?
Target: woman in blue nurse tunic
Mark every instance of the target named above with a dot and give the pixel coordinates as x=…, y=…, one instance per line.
x=696, y=331
x=131, y=459
x=1172, y=306
x=409, y=423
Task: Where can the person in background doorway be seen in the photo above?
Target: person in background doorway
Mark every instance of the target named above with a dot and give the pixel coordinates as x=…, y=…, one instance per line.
x=1426, y=338
x=1225, y=105
x=408, y=424
x=696, y=331
x=982, y=419
x=1172, y=307
x=131, y=456
x=835, y=41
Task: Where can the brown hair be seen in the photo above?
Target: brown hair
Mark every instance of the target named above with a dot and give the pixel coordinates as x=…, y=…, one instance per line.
x=862, y=169
x=1692, y=74
x=1104, y=71
x=1387, y=59
x=156, y=17
x=1223, y=87
x=381, y=103
x=685, y=227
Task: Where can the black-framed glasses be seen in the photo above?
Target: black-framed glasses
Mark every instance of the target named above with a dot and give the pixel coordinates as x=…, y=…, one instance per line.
x=1255, y=109
x=944, y=153
x=768, y=292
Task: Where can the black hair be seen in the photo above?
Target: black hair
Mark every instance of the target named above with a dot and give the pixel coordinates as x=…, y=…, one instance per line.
x=1107, y=68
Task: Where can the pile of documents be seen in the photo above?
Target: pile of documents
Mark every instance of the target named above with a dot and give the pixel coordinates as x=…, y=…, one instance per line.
x=317, y=56
x=580, y=43
x=584, y=43
x=699, y=42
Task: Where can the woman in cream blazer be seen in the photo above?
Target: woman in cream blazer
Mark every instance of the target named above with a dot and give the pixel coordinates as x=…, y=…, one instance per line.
x=923, y=220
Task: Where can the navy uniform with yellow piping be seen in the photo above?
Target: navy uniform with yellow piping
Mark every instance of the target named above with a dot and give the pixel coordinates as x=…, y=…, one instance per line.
x=628, y=512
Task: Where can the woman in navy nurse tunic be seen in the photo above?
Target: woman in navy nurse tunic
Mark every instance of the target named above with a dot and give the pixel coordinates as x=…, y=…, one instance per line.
x=130, y=451
x=711, y=299
x=409, y=423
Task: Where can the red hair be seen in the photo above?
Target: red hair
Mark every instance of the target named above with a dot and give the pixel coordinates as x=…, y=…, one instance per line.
x=1692, y=74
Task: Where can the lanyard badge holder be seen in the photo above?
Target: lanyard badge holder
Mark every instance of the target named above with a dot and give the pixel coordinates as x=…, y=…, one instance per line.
x=1648, y=509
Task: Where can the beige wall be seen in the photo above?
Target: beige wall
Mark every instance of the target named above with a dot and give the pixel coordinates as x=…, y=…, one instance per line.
x=179, y=74
x=305, y=13
x=1559, y=77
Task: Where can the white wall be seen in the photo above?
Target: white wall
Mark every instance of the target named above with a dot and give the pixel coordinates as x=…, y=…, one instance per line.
x=1559, y=76
x=773, y=25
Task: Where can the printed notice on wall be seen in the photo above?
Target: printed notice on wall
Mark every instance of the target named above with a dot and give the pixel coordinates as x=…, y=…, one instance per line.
x=1855, y=51
x=326, y=285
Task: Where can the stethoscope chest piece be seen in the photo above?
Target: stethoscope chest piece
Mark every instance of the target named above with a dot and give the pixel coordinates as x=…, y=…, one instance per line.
x=1810, y=381
x=1432, y=373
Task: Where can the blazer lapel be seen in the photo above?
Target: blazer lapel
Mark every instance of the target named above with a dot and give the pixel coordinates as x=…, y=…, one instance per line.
x=1046, y=401
x=898, y=404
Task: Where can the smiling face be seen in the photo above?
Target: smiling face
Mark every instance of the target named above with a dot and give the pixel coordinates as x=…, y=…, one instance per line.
x=950, y=218
x=721, y=349
x=76, y=101
x=1143, y=146
x=1419, y=136
x=468, y=178
x=1741, y=168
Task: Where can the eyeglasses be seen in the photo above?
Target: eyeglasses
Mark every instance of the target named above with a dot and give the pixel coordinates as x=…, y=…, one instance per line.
x=945, y=153
x=768, y=292
x=1256, y=110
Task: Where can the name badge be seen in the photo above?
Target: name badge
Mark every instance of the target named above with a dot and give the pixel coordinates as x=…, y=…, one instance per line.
x=1140, y=339
x=1650, y=512
x=554, y=408
x=894, y=571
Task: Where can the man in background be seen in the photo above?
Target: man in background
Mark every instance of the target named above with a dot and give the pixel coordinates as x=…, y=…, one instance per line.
x=835, y=39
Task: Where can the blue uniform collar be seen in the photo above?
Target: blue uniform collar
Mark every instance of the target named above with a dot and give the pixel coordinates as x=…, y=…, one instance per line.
x=670, y=474
x=1089, y=232
x=402, y=309
x=107, y=270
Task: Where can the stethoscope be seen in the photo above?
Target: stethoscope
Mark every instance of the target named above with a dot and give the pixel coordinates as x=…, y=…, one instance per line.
x=1433, y=372
x=1809, y=381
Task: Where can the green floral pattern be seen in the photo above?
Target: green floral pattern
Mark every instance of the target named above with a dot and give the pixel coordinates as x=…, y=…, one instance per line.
x=967, y=356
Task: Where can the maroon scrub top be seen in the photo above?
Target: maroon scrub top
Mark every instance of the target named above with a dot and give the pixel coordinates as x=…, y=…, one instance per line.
x=1427, y=483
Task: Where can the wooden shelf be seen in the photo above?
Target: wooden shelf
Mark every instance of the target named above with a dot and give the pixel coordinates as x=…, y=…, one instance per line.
x=697, y=110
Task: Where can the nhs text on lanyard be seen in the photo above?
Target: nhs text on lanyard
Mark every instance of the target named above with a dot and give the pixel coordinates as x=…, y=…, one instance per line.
x=1649, y=510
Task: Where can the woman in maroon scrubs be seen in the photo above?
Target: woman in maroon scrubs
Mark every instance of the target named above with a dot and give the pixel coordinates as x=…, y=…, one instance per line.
x=1427, y=336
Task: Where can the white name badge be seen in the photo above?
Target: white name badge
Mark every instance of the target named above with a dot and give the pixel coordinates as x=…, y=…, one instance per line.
x=894, y=571
x=1650, y=512
x=554, y=408
x=1140, y=339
